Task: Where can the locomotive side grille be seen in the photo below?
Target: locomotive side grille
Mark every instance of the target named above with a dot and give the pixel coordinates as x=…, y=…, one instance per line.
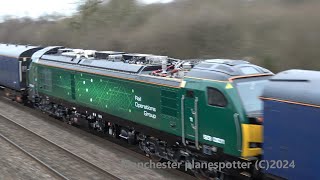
x=169, y=105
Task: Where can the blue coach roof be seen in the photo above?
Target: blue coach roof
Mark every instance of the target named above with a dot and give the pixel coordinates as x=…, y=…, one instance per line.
x=15, y=51
x=295, y=85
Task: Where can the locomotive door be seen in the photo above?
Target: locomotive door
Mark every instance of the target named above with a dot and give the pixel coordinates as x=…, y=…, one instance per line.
x=190, y=121
x=33, y=80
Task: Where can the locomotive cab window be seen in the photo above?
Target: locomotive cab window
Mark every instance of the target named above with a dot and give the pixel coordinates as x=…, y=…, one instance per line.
x=216, y=98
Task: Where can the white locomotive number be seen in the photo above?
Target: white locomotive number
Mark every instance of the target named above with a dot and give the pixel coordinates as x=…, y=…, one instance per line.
x=213, y=139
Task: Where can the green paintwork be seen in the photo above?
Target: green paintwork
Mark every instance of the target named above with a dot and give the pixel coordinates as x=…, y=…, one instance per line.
x=121, y=97
x=215, y=121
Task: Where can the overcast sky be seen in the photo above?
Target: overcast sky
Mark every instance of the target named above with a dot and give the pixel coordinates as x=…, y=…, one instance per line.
x=36, y=8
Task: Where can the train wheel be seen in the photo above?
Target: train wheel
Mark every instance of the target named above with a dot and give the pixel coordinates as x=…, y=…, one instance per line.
x=209, y=175
x=115, y=131
x=8, y=94
x=132, y=139
x=206, y=174
x=155, y=158
x=65, y=119
x=18, y=99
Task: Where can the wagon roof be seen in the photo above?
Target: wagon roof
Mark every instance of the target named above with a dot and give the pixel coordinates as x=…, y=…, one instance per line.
x=15, y=51
x=300, y=86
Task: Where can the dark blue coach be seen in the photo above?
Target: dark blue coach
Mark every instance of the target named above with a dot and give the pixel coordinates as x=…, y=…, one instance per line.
x=14, y=62
x=292, y=125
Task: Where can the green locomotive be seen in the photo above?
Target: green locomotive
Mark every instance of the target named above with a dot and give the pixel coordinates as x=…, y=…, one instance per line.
x=176, y=110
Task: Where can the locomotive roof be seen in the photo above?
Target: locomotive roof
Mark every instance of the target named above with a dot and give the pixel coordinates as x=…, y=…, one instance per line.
x=112, y=69
x=223, y=69
x=100, y=61
x=294, y=85
x=111, y=52
x=47, y=50
x=149, y=65
x=95, y=63
x=120, y=66
x=16, y=51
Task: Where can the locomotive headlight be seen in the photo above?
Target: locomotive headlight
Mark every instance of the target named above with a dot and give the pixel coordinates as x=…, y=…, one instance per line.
x=256, y=120
x=255, y=145
x=260, y=120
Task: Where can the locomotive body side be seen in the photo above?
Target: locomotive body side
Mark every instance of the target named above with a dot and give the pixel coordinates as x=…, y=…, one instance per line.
x=204, y=116
x=184, y=111
x=148, y=104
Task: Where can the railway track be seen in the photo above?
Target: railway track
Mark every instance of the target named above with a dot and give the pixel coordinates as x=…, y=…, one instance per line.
x=61, y=163
x=51, y=171
x=101, y=152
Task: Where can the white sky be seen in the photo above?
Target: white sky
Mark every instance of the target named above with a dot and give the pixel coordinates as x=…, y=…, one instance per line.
x=36, y=8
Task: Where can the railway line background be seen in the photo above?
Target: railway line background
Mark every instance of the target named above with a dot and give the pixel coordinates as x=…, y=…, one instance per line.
x=15, y=164
x=104, y=154
x=61, y=162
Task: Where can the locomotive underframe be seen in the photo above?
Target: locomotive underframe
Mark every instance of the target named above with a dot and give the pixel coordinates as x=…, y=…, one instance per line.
x=157, y=145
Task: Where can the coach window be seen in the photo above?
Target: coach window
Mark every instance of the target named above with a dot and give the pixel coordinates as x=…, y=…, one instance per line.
x=216, y=98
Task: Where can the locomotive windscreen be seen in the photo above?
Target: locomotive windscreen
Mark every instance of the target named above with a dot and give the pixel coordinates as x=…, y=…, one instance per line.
x=250, y=89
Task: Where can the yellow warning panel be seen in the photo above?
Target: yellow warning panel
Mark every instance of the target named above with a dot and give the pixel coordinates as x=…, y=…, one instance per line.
x=229, y=86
